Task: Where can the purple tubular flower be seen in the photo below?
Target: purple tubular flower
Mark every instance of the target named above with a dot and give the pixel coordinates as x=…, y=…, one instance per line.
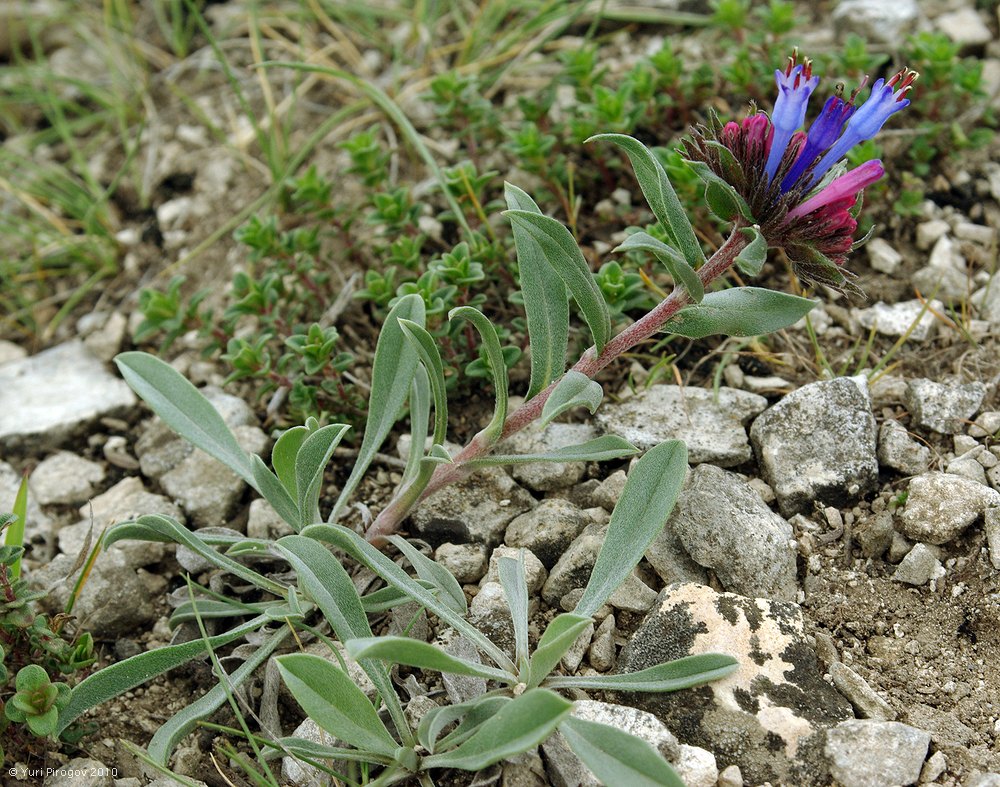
x=822, y=133
x=869, y=118
x=795, y=86
x=847, y=185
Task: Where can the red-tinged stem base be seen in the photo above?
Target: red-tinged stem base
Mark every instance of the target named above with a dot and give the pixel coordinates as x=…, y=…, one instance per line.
x=590, y=363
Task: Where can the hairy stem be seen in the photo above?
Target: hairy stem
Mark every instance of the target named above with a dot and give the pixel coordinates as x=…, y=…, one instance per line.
x=590, y=363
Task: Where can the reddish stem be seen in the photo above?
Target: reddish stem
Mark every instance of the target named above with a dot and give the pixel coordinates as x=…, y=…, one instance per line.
x=589, y=364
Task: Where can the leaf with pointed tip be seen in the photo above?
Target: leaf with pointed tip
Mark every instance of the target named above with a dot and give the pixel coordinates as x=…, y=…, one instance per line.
x=563, y=254
x=498, y=367
x=546, y=305
x=554, y=643
x=518, y=726
x=660, y=195
x=740, y=311
x=313, y=455
x=449, y=591
x=515, y=589
x=733, y=198
x=617, y=757
x=393, y=370
x=422, y=655
x=185, y=410
x=679, y=270
x=600, y=449
x=420, y=414
x=275, y=493
x=283, y=457
x=472, y=713
x=332, y=700
x=649, y=495
x=683, y=673
x=427, y=350
x=575, y=389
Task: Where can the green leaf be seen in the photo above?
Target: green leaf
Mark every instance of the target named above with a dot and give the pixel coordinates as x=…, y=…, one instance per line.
x=721, y=202
x=387, y=598
x=617, y=757
x=719, y=186
x=600, y=449
x=754, y=255
x=641, y=512
x=365, y=553
x=393, y=370
x=331, y=699
x=740, y=311
x=682, y=273
x=472, y=713
x=420, y=413
x=427, y=351
x=561, y=252
x=275, y=492
x=545, y=303
x=515, y=589
x=518, y=726
x=283, y=457
x=184, y=721
x=673, y=675
x=310, y=462
x=575, y=389
x=660, y=195
x=184, y=409
x=440, y=578
x=117, y=678
x=498, y=367
x=558, y=638
x=423, y=655
x=303, y=748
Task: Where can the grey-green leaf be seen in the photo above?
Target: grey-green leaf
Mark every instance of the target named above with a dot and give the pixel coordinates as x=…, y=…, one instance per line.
x=420, y=413
x=427, y=351
x=563, y=254
x=683, y=673
x=515, y=589
x=556, y=640
x=518, y=726
x=649, y=495
x=575, y=389
x=393, y=369
x=494, y=354
x=472, y=713
x=449, y=591
x=334, y=702
x=422, y=655
x=184, y=409
x=600, y=449
x=616, y=757
x=276, y=493
x=740, y=311
x=313, y=455
x=546, y=305
x=676, y=266
x=754, y=255
x=660, y=195
x=283, y=457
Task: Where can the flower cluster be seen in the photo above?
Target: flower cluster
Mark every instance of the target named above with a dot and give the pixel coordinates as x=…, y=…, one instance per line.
x=793, y=184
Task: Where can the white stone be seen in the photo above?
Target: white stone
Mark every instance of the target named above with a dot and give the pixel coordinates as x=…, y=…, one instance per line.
x=882, y=256
x=929, y=232
x=912, y=319
x=878, y=21
x=868, y=753
x=66, y=478
x=696, y=766
x=964, y=26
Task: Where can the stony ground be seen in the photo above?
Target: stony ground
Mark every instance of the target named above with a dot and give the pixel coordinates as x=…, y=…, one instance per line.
x=839, y=535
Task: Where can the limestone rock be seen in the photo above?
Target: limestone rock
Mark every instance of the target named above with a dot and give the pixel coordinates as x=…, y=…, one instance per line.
x=548, y=529
x=878, y=21
x=942, y=407
x=712, y=430
x=547, y=476
x=869, y=753
x=940, y=506
x=65, y=478
x=898, y=451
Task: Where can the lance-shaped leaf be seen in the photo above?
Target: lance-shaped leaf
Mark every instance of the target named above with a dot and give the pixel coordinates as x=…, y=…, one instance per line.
x=546, y=305
x=679, y=270
x=734, y=201
x=387, y=598
x=518, y=726
x=286, y=448
x=675, y=675
x=310, y=462
x=276, y=493
x=558, y=638
x=440, y=578
x=332, y=700
x=616, y=757
x=472, y=714
x=563, y=254
x=515, y=590
x=420, y=413
x=498, y=368
x=600, y=449
x=393, y=369
x=660, y=195
x=640, y=514
x=422, y=655
x=754, y=255
x=740, y=311
x=185, y=410
x=427, y=350
x=575, y=389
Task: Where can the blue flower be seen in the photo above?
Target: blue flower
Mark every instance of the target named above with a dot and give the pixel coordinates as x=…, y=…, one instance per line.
x=822, y=133
x=795, y=85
